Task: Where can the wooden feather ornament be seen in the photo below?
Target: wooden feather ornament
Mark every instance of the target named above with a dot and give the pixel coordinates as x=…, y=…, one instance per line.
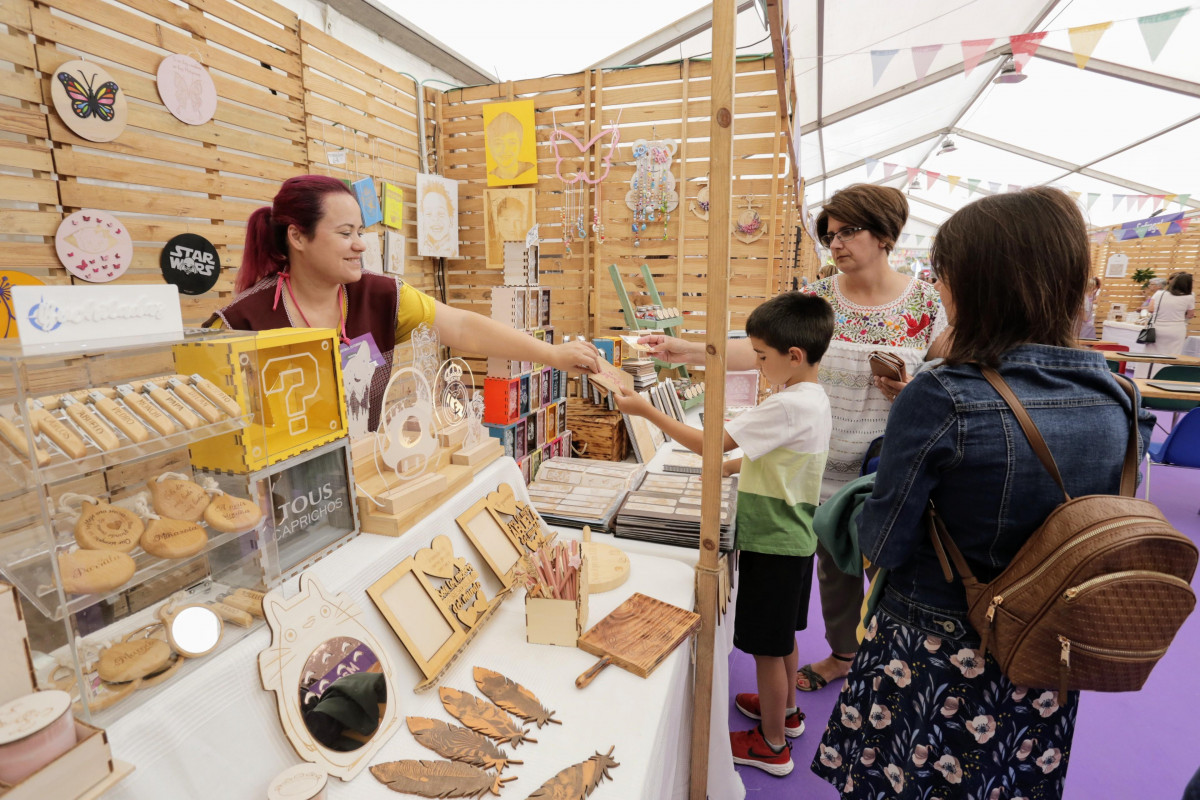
x=577, y=781
x=513, y=697
x=458, y=744
x=482, y=717
x=438, y=778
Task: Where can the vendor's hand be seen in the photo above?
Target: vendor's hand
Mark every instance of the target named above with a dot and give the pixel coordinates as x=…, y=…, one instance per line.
x=889, y=387
x=632, y=403
x=576, y=356
x=667, y=348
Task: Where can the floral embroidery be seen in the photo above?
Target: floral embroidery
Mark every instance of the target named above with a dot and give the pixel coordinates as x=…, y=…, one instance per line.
x=907, y=321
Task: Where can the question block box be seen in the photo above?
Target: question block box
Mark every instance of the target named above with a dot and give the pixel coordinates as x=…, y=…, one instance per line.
x=291, y=381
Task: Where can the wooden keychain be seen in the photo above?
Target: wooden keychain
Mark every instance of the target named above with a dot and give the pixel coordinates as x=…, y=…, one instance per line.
x=89, y=423
x=199, y=403
x=102, y=526
x=16, y=437
x=53, y=429
x=214, y=393
x=94, y=571
x=176, y=496
x=169, y=538
x=149, y=412
x=172, y=405
x=120, y=416
x=230, y=514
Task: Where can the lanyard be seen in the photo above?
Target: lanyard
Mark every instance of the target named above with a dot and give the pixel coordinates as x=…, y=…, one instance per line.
x=285, y=279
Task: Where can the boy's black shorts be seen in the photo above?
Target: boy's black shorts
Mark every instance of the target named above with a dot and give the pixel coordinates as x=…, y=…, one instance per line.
x=772, y=602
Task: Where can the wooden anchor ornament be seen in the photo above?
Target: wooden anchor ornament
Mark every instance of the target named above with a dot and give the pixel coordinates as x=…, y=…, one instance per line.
x=512, y=697
x=438, y=778
x=481, y=717
x=459, y=744
x=749, y=226
x=699, y=206
x=578, y=780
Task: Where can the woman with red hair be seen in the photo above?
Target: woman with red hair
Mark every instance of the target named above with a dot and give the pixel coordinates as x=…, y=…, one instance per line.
x=302, y=267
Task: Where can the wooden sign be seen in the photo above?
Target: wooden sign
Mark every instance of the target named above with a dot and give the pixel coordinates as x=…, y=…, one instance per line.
x=187, y=89
x=503, y=529
x=637, y=636
x=94, y=246
x=89, y=101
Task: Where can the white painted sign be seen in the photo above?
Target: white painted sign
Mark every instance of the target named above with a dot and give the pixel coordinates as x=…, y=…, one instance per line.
x=1117, y=264
x=51, y=314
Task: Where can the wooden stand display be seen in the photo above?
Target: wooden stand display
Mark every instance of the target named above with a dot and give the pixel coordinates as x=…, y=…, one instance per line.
x=480, y=455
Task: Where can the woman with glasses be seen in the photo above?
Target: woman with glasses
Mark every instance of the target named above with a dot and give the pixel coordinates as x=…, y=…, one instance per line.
x=875, y=308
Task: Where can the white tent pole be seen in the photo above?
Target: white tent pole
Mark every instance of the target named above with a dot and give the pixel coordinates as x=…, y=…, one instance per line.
x=1131, y=74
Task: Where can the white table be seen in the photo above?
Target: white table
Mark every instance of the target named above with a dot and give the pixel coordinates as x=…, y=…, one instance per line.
x=215, y=732
x=1126, y=333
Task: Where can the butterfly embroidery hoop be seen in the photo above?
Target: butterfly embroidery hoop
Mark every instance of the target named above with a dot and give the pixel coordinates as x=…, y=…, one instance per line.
x=186, y=89
x=89, y=101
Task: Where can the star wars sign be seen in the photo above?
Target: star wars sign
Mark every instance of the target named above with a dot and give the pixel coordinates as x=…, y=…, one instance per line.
x=190, y=262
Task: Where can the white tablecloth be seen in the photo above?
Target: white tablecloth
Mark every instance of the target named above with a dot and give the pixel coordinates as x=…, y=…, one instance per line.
x=215, y=731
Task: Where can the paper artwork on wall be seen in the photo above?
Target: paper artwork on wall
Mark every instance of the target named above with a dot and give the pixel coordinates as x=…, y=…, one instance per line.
x=93, y=246
x=510, y=213
x=437, y=217
x=89, y=101
x=372, y=257
x=187, y=89
x=368, y=200
x=393, y=205
x=509, y=143
x=8, y=314
x=190, y=262
x=394, y=245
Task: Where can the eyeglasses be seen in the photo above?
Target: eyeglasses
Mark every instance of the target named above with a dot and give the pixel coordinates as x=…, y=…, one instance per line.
x=844, y=235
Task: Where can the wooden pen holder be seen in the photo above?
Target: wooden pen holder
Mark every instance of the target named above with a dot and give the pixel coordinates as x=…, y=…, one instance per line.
x=559, y=622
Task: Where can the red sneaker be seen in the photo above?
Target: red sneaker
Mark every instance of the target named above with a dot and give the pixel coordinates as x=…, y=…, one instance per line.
x=748, y=704
x=751, y=749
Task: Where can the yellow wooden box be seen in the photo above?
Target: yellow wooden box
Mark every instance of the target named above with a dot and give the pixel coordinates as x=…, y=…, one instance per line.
x=289, y=379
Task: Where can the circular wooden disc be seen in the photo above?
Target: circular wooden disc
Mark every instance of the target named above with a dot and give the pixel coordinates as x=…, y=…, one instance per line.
x=187, y=89
x=9, y=279
x=608, y=567
x=89, y=101
x=94, y=246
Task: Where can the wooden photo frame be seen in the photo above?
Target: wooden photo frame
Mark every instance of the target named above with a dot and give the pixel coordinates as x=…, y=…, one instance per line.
x=492, y=538
x=508, y=216
x=425, y=624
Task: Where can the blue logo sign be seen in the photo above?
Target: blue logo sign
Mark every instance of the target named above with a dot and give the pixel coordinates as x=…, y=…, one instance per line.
x=44, y=316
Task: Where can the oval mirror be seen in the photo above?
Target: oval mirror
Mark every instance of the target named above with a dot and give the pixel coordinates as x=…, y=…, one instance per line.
x=194, y=631
x=343, y=693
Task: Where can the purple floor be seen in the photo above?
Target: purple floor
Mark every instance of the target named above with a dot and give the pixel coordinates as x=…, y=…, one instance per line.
x=1127, y=745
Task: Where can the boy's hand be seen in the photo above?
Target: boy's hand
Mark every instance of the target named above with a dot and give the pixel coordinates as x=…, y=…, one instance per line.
x=666, y=348
x=731, y=467
x=632, y=403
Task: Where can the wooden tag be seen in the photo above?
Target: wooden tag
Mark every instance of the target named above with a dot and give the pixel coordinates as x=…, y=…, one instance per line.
x=105, y=527
x=173, y=538
x=127, y=661
x=94, y=571
x=230, y=514
x=178, y=499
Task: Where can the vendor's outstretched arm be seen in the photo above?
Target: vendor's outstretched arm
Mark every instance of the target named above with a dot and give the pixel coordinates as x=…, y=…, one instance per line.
x=739, y=353
x=475, y=333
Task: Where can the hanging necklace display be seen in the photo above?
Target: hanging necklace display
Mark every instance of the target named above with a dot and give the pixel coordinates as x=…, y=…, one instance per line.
x=749, y=226
x=574, y=224
x=186, y=89
x=89, y=101
x=651, y=196
x=94, y=246
x=699, y=206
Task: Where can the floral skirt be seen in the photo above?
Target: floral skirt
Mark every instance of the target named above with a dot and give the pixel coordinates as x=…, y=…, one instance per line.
x=923, y=717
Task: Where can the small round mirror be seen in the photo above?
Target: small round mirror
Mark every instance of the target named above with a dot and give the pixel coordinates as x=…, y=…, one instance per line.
x=343, y=694
x=194, y=631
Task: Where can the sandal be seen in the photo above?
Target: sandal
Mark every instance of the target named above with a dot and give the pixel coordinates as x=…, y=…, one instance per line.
x=815, y=680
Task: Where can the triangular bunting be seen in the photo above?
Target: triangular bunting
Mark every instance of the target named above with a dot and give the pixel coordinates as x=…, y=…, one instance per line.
x=871, y=164
x=920, y=239
x=1157, y=29
x=1158, y=199
x=932, y=176
x=1117, y=200
x=972, y=186
x=993, y=187
x=879, y=61
x=1024, y=45
x=1141, y=231
x=922, y=57
x=953, y=181
x=1163, y=227
x=1168, y=199
x=1084, y=40
x=1182, y=199
x=1142, y=198
x=1074, y=195
x=888, y=170
x=1183, y=224
x=973, y=50
x=912, y=173
x=1092, y=198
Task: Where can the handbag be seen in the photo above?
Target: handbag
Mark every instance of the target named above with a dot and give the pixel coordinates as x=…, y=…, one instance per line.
x=1096, y=594
x=1148, y=335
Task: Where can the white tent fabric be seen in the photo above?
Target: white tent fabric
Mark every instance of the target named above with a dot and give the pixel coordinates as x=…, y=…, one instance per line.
x=1117, y=132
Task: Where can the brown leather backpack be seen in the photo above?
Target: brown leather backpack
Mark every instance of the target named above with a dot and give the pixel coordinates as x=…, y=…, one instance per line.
x=1097, y=593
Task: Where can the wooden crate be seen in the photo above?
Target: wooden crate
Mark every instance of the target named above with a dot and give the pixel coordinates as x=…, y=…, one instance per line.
x=597, y=432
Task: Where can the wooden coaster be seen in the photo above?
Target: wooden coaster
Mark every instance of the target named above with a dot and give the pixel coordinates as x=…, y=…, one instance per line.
x=176, y=499
x=230, y=514
x=173, y=538
x=127, y=661
x=94, y=571
x=105, y=527
x=608, y=567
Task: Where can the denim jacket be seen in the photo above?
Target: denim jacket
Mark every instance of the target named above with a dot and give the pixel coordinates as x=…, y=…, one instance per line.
x=952, y=438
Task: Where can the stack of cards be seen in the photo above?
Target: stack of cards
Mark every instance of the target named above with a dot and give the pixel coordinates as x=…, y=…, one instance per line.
x=666, y=509
x=642, y=370
x=582, y=491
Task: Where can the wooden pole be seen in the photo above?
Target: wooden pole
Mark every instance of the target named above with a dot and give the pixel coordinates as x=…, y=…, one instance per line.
x=720, y=198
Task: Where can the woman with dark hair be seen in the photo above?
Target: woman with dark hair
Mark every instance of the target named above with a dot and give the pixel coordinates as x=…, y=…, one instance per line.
x=1171, y=309
x=875, y=308
x=924, y=711
x=302, y=267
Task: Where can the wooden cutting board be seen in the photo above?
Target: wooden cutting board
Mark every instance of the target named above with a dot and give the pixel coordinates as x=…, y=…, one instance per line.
x=637, y=636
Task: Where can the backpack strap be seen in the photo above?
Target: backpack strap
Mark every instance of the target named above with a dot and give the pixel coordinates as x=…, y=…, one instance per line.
x=1031, y=430
x=1129, y=470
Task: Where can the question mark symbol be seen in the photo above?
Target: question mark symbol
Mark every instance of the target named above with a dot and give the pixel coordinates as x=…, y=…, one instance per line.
x=291, y=381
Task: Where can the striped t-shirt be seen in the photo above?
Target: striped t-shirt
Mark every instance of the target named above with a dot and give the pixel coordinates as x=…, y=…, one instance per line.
x=784, y=442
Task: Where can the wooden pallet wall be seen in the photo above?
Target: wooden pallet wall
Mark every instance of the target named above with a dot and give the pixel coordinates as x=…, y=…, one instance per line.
x=667, y=101
x=1179, y=252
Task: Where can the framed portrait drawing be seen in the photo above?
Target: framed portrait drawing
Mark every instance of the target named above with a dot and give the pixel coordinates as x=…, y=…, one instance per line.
x=437, y=217
x=509, y=143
